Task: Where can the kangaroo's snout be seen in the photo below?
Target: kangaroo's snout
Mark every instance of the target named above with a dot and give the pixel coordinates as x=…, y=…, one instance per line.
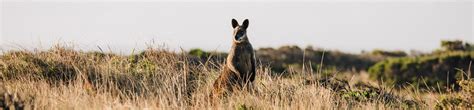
x=240, y=35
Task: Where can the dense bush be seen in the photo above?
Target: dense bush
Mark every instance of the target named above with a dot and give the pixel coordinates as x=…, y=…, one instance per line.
x=434, y=71
x=455, y=45
x=290, y=59
x=286, y=57
x=199, y=53
x=205, y=56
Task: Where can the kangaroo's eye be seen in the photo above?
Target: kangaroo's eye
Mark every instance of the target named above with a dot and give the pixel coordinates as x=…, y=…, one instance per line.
x=240, y=33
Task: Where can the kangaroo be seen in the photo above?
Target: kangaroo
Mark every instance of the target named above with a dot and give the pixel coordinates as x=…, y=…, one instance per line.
x=239, y=69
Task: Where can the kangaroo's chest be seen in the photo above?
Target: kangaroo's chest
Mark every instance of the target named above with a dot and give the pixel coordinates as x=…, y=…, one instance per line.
x=242, y=59
x=243, y=62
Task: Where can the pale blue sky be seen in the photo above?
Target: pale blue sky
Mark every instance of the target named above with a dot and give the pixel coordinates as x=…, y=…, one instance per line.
x=347, y=26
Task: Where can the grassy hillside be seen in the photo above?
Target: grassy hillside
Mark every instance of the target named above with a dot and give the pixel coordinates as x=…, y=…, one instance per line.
x=65, y=78
x=429, y=71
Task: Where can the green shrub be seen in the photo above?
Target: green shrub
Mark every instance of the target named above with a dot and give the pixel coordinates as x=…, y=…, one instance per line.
x=435, y=70
x=198, y=53
x=455, y=45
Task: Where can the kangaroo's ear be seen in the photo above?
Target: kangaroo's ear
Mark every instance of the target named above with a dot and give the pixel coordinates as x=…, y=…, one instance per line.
x=245, y=24
x=234, y=23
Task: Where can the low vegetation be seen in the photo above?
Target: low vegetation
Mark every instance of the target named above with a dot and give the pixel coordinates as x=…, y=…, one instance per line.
x=286, y=59
x=67, y=78
x=433, y=71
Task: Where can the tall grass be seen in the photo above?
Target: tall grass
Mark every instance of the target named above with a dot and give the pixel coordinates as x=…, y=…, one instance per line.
x=64, y=78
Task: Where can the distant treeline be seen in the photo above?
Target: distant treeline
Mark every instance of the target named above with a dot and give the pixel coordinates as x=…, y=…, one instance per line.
x=441, y=67
x=286, y=59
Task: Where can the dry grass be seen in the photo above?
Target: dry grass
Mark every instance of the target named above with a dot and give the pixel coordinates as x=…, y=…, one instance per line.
x=61, y=78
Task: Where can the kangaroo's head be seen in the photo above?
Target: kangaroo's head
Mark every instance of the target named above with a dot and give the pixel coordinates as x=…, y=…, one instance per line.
x=240, y=31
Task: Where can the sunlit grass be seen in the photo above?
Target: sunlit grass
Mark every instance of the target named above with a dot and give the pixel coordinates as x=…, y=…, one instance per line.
x=64, y=78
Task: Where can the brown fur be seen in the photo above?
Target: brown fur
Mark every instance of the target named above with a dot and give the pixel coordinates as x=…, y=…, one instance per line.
x=239, y=70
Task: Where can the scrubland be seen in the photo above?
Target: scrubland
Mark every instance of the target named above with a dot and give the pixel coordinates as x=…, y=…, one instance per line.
x=65, y=77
